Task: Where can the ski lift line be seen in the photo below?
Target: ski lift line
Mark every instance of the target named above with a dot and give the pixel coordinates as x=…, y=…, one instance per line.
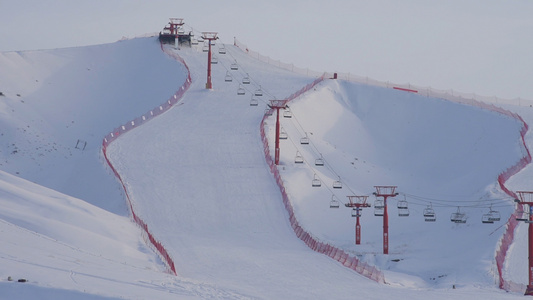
x=315, y=148
x=252, y=80
x=316, y=176
x=468, y=204
x=312, y=167
x=230, y=71
x=414, y=202
x=451, y=205
x=460, y=201
x=228, y=52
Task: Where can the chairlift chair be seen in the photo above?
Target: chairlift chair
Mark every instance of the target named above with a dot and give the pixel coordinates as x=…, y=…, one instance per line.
x=259, y=92
x=485, y=219
x=429, y=214
x=356, y=212
x=222, y=50
x=379, y=203
x=379, y=212
x=299, y=159
x=337, y=184
x=246, y=80
x=316, y=182
x=200, y=40
x=214, y=60
x=283, y=135
x=494, y=215
x=240, y=91
x=403, y=209
x=234, y=66
x=287, y=113
x=254, y=102
x=458, y=217
x=379, y=208
x=319, y=161
x=268, y=111
x=194, y=42
x=228, y=77
x=205, y=48
x=304, y=140
x=334, y=203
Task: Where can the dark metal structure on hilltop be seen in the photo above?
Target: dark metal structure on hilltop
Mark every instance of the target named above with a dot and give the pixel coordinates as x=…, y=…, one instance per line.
x=173, y=30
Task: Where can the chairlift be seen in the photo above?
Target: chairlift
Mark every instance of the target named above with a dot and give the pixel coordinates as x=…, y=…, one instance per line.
x=205, y=48
x=200, y=40
x=356, y=212
x=494, y=215
x=304, y=140
x=316, y=182
x=194, y=42
x=214, y=60
x=254, y=102
x=228, y=77
x=234, y=66
x=429, y=214
x=379, y=208
x=268, y=110
x=319, y=161
x=379, y=203
x=337, y=184
x=259, y=92
x=299, y=159
x=246, y=80
x=334, y=203
x=458, y=217
x=241, y=91
x=283, y=135
x=485, y=219
x=403, y=209
x=287, y=113
x=222, y=50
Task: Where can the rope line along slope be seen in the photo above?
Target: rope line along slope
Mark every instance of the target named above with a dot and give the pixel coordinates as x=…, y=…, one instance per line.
x=119, y=131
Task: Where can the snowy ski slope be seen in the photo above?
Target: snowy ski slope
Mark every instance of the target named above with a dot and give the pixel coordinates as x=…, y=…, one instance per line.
x=197, y=175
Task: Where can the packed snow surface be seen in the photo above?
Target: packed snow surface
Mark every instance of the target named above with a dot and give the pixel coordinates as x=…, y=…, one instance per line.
x=198, y=177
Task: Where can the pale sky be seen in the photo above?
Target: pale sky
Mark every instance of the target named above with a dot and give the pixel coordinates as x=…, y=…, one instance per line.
x=480, y=46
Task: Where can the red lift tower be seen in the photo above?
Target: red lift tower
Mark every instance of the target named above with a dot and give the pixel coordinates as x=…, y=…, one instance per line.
x=277, y=105
x=526, y=198
x=385, y=191
x=357, y=203
x=209, y=36
x=175, y=24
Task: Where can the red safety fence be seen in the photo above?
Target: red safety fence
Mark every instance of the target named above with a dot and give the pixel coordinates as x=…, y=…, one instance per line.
x=119, y=131
x=312, y=242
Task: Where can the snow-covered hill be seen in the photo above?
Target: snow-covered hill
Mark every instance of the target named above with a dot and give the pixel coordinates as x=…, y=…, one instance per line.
x=197, y=176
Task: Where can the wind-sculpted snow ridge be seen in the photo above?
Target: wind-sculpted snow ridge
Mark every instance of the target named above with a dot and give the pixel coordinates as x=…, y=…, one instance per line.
x=117, y=132
x=312, y=242
x=453, y=96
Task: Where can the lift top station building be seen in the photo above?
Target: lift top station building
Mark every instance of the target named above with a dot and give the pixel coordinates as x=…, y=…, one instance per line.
x=174, y=30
